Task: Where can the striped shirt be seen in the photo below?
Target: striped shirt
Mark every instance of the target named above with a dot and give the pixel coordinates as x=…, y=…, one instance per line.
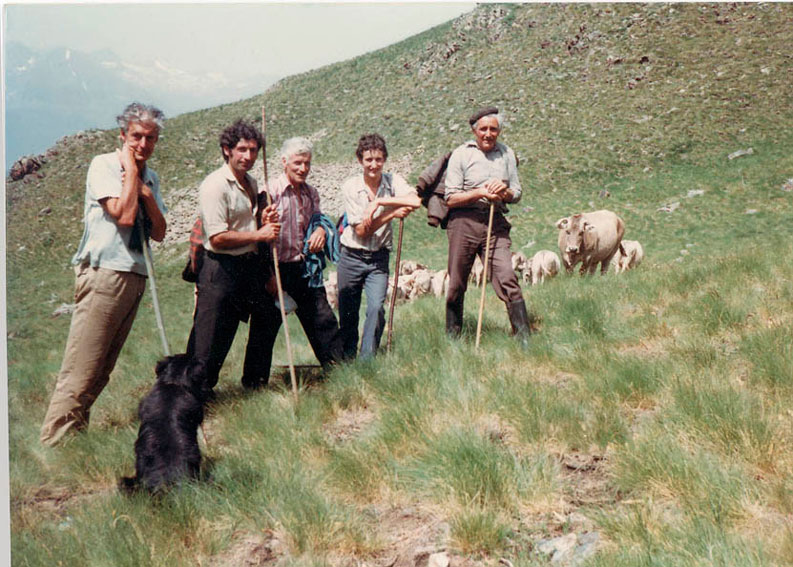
x=295, y=208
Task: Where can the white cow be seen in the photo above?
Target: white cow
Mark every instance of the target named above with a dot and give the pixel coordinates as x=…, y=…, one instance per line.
x=519, y=263
x=440, y=283
x=477, y=271
x=628, y=256
x=421, y=283
x=409, y=266
x=543, y=264
x=403, y=288
x=332, y=289
x=590, y=238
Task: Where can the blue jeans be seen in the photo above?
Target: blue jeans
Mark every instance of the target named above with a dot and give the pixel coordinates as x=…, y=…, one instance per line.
x=360, y=270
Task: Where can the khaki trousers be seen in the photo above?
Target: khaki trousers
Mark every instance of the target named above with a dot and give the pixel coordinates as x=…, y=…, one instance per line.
x=106, y=304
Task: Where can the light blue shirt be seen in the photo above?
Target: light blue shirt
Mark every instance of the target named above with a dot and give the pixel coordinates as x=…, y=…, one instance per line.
x=105, y=244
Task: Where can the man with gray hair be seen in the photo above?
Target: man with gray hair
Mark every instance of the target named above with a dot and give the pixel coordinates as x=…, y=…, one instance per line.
x=123, y=208
x=296, y=202
x=482, y=173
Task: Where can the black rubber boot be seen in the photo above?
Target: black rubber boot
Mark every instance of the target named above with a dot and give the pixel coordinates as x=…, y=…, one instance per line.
x=519, y=319
x=454, y=318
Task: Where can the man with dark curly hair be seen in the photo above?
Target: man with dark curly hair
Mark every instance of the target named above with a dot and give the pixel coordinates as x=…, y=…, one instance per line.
x=232, y=275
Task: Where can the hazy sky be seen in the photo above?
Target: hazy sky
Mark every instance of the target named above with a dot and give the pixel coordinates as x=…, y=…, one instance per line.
x=280, y=39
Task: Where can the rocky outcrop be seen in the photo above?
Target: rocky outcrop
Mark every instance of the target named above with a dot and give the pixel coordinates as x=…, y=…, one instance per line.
x=26, y=165
x=493, y=20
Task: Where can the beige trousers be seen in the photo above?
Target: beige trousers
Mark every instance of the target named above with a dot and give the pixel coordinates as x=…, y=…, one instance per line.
x=106, y=304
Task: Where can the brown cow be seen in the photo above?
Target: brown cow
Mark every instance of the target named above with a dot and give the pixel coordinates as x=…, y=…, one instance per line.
x=590, y=238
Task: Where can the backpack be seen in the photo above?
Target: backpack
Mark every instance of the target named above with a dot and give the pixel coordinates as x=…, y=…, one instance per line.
x=195, y=255
x=342, y=223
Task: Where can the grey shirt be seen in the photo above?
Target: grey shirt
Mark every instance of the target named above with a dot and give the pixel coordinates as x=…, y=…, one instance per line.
x=469, y=168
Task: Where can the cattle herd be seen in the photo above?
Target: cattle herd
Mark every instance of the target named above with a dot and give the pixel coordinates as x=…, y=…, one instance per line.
x=589, y=238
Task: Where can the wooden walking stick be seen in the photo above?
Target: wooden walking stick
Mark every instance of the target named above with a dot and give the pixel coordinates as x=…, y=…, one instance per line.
x=394, y=291
x=277, y=271
x=153, y=287
x=147, y=258
x=150, y=273
x=484, y=276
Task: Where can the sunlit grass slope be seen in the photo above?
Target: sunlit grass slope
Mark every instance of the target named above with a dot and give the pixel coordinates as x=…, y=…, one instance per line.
x=652, y=408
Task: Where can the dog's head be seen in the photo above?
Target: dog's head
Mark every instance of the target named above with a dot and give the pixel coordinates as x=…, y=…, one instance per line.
x=181, y=370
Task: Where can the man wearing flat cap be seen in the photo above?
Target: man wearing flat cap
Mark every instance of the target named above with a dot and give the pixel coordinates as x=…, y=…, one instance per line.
x=480, y=172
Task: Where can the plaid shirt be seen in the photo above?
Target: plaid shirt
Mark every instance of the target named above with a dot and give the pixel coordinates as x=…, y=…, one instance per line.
x=295, y=208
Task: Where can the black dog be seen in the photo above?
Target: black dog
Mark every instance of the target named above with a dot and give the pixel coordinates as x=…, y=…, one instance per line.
x=166, y=450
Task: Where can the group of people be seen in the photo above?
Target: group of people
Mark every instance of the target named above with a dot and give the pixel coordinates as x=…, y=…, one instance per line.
x=243, y=226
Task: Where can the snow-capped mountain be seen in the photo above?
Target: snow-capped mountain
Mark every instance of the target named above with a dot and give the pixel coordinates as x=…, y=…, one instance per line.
x=58, y=92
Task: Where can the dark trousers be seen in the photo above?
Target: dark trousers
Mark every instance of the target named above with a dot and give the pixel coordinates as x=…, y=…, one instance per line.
x=229, y=289
x=316, y=318
x=467, y=233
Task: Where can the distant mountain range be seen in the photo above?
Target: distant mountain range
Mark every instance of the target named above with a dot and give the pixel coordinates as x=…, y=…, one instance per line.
x=50, y=94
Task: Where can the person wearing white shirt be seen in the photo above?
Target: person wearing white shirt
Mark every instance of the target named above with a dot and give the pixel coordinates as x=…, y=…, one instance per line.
x=372, y=199
x=123, y=208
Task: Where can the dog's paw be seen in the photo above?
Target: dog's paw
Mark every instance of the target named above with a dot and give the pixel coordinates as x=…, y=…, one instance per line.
x=128, y=484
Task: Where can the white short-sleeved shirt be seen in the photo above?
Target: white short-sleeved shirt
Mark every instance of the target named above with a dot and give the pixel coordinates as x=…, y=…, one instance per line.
x=225, y=205
x=469, y=167
x=105, y=244
x=357, y=197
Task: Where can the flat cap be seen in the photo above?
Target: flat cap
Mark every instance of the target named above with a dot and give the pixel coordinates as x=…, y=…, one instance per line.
x=482, y=112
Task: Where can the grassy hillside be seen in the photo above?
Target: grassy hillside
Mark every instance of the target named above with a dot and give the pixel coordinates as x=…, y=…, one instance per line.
x=652, y=409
